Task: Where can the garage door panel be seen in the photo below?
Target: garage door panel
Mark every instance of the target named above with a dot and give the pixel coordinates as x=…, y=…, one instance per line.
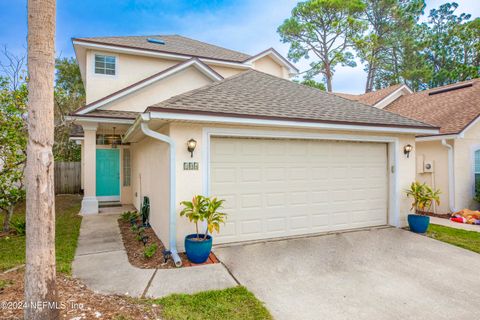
x=276, y=188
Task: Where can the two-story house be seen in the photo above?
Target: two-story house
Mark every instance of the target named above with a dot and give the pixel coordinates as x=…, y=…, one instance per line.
x=170, y=117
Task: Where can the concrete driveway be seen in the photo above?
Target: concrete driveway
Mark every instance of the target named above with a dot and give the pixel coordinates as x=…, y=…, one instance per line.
x=376, y=274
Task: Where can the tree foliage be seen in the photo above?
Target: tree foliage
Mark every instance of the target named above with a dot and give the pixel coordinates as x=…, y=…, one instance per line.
x=312, y=83
x=324, y=29
x=388, y=38
x=13, y=141
x=69, y=95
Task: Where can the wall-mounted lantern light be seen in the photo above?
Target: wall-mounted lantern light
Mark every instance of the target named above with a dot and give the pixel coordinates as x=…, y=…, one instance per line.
x=407, y=149
x=191, y=144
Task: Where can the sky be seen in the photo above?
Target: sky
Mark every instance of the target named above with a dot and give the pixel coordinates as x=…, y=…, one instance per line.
x=245, y=25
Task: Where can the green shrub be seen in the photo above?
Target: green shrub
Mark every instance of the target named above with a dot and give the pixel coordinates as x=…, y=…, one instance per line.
x=129, y=215
x=140, y=233
x=150, y=250
x=19, y=226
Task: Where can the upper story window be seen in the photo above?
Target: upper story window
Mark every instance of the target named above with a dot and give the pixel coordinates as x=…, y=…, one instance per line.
x=105, y=64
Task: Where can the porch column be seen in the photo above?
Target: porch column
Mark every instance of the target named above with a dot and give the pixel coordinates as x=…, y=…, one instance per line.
x=89, y=202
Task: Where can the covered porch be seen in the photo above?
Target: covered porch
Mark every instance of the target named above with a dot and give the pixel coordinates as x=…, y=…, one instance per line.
x=106, y=178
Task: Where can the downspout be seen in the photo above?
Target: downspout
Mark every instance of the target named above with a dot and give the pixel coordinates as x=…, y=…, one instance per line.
x=173, y=215
x=451, y=176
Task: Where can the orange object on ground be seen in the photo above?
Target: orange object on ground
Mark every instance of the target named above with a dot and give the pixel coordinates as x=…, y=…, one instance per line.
x=469, y=216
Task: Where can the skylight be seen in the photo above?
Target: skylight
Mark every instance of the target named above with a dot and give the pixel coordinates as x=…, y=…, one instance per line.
x=156, y=41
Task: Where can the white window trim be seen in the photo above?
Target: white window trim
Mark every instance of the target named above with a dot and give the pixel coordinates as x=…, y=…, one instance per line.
x=474, y=149
x=393, y=215
x=101, y=75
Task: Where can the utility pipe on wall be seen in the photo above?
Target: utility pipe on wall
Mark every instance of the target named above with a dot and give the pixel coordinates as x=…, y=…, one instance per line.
x=451, y=176
x=173, y=215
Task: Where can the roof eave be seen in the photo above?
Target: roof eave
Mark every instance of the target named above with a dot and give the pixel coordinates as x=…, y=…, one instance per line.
x=209, y=117
x=150, y=52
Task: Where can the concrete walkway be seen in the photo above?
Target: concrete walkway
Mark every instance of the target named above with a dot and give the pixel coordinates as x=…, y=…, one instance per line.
x=456, y=225
x=101, y=262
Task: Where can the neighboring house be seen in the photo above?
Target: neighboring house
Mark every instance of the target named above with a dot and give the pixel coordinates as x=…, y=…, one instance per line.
x=449, y=160
x=288, y=159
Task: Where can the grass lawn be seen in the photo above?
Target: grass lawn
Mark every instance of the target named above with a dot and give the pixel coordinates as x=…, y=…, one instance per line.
x=12, y=248
x=469, y=240
x=233, y=303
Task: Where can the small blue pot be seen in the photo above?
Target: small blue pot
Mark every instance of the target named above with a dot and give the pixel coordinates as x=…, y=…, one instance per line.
x=418, y=223
x=198, y=251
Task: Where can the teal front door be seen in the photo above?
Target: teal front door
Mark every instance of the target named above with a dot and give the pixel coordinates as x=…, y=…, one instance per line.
x=108, y=173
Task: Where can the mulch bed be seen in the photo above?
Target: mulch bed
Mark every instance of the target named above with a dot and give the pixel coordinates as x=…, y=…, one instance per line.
x=76, y=301
x=437, y=215
x=136, y=248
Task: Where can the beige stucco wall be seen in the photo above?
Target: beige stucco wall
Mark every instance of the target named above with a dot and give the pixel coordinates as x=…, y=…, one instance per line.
x=190, y=182
x=464, y=150
x=150, y=177
x=433, y=151
x=183, y=81
x=133, y=68
x=268, y=65
x=130, y=69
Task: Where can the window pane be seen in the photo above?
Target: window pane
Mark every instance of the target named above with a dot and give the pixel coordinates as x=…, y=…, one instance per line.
x=105, y=64
x=477, y=161
x=109, y=59
x=126, y=167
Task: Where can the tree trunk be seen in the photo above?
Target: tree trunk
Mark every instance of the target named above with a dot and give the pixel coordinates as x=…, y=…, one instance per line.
x=40, y=274
x=328, y=77
x=8, y=217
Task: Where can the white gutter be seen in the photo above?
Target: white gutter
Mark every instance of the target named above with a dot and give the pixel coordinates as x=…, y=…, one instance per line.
x=285, y=123
x=439, y=137
x=173, y=215
x=451, y=176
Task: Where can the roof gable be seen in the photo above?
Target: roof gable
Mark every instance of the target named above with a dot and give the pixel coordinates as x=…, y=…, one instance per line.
x=451, y=110
x=277, y=57
x=194, y=62
x=376, y=98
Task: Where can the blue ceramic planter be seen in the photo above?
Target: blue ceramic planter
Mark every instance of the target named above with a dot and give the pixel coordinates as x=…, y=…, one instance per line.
x=198, y=251
x=418, y=223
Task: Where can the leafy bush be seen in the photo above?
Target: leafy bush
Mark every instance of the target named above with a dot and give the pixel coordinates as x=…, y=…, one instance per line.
x=129, y=215
x=204, y=209
x=140, y=233
x=150, y=250
x=423, y=196
x=19, y=225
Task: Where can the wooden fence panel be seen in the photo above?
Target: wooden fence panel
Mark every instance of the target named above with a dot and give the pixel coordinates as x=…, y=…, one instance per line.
x=67, y=177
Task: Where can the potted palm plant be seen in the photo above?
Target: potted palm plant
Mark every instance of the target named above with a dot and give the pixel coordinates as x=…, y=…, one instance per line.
x=423, y=197
x=202, y=209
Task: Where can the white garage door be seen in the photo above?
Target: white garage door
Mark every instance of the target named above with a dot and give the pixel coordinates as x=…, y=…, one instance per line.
x=278, y=187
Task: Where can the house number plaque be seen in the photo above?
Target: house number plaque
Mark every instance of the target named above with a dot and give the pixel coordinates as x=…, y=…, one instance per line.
x=190, y=166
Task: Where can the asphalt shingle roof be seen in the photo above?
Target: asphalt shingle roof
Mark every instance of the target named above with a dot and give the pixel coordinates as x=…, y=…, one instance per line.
x=259, y=95
x=173, y=44
x=370, y=98
x=451, y=110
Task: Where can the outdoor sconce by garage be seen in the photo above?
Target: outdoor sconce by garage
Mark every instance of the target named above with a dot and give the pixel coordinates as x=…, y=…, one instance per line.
x=191, y=144
x=407, y=149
